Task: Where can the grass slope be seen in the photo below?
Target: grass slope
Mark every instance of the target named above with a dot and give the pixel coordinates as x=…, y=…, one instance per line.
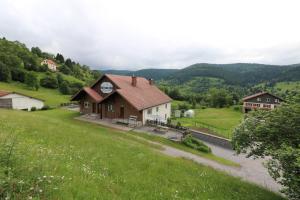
x=99, y=163
x=219, y=121
x=50, y=96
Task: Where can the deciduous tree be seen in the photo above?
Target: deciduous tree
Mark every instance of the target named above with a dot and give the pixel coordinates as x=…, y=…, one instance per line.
x=276, y=135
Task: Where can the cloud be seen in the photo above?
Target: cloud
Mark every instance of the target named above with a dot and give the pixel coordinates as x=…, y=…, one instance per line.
x=136, y=34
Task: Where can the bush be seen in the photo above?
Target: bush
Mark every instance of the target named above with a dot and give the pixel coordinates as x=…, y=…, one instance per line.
x=45, y=107
x=64, y=88
x=31, y=80
x=190, y=141
x=49, y=81
x=18, y=75
x=33, y=109
x=238, y=108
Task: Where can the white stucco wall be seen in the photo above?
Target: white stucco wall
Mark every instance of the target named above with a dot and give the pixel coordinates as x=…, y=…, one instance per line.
x=21, y=102
x=163, y=113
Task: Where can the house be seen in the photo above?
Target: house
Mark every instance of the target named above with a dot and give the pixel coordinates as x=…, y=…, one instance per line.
x=51, y=64
x=262, y=100
x=14, y=100
x=121, y=97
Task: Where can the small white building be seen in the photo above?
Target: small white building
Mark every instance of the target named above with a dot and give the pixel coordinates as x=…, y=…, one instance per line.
x=50, y=64
x=13, y=100
x=189, y=113
x=159, y=113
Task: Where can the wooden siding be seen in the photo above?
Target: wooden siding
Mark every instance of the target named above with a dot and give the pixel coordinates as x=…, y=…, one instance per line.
x=263, y=98
x=5, y=103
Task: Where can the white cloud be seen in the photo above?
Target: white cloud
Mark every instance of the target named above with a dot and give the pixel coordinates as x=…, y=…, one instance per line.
x=168, y=33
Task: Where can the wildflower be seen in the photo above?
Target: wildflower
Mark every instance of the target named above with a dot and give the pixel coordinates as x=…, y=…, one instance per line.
x=30, y=197
x=40, y=191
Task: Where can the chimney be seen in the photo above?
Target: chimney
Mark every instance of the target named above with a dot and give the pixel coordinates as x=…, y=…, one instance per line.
x=133, y=81
x=151, y=81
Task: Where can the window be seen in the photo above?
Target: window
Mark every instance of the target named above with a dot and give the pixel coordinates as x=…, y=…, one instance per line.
x=157, y=109
x=276, y=100
x=149, y=111
x=110, y=108
x=258, y=99
x=268, y=99
x=166, y=116
x=166, y=106
x=86, y=104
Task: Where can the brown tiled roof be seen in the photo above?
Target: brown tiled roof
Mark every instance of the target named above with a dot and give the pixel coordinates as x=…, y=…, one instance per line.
x=4, y=93
x=141, y=96
x=259, y=94
x=92, y=93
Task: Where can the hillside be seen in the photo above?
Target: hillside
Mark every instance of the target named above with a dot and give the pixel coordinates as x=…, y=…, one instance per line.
x=156, y=74
x=23, y=65
x=62, y=158
x=241, y=74
x=52, y=98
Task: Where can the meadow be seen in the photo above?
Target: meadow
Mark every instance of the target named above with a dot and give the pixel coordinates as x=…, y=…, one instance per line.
x=51, y=97
x=61, y=158
x=218, y=121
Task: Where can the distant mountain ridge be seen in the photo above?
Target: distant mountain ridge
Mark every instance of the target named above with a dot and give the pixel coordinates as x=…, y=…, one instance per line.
x=157, y=74
x=233, y=74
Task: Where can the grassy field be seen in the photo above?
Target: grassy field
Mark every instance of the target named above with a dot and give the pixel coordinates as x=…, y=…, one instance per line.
x=219, y=121
x=76, y=160
x=288, y=86
x=185, y=148
x=50, y=96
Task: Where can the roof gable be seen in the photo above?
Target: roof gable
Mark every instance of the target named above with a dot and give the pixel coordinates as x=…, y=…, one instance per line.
x=141, y=96
x=260, y=94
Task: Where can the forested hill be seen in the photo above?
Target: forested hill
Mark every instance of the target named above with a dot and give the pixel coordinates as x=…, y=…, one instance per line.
x=239, y=74
x=156, y=74
x=242, y=74
x=18, y=63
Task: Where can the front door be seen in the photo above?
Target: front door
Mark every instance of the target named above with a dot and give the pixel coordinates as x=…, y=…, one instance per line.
x=94, y=107
x=122, y=112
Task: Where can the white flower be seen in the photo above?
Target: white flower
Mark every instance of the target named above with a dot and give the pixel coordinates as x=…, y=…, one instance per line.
x=40, y=191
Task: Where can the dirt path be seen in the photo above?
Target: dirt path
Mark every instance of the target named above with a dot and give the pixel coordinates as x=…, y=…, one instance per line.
x=251, y=170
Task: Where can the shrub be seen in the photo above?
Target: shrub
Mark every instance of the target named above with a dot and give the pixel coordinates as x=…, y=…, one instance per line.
x=33, y=109
x=190, y=141
x=45, y=107
x=238, y=108
x=49, y=82
x=18, y=75
x=31, y=80
x=64, y=88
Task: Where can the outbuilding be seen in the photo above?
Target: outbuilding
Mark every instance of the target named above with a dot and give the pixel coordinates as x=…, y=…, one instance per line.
x=124, y=97
x=14, y=100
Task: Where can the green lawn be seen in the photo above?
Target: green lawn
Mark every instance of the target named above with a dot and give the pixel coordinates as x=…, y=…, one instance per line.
x=219, y=121
x=78, y=160
x=51, y=97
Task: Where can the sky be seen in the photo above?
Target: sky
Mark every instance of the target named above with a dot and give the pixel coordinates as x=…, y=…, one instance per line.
x=137, y=34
